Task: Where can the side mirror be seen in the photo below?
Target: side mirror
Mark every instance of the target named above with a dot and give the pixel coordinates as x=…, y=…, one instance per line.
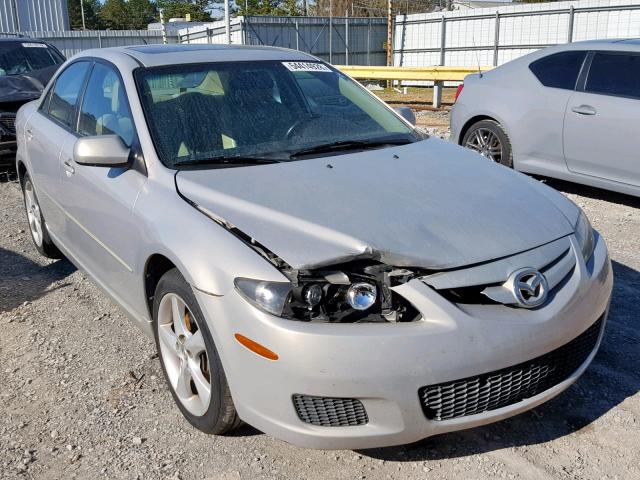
x=407, y=114
x=101, y=151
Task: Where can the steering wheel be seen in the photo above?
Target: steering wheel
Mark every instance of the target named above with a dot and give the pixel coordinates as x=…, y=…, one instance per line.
x=329, y=125
x=297, y=125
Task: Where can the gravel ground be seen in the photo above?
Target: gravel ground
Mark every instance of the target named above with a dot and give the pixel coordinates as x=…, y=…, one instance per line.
x=82, y=394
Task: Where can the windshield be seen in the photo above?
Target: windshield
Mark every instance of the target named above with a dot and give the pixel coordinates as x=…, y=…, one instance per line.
x=268, y=109
x=20, y=58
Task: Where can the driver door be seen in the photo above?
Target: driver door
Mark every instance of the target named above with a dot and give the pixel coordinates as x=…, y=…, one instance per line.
x=100, y=200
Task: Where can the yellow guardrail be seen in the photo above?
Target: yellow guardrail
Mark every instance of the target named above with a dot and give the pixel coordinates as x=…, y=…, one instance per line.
x=433, y=74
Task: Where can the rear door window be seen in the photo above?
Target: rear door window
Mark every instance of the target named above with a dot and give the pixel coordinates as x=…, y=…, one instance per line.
x=559, y=70
x=614, y=74
x=62, y=105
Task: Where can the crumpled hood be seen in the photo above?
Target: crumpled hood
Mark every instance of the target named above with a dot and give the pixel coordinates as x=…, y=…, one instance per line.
x=436, y=206
x=26, y=87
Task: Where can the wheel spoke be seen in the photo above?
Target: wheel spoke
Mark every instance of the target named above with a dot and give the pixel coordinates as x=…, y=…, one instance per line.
x=167, y=337
x=203, y=386
x=480, y=138
x=182, y=387
x=178, y=310
x=195, y=344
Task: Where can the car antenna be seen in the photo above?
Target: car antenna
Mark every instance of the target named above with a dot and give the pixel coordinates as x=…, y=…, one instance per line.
x=473, y=41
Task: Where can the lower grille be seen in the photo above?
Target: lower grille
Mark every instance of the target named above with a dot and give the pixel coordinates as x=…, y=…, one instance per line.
x=330, y=412
x=511, y=385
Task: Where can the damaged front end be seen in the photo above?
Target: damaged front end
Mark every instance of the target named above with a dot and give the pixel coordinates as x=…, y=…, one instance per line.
x=360, y=290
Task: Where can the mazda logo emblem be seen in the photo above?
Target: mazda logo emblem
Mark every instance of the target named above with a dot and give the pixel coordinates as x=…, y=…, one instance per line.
x=529, y=287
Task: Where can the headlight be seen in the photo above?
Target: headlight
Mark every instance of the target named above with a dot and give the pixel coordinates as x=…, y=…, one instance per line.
x=584, y=235
x=268, y=296
x=312, y=299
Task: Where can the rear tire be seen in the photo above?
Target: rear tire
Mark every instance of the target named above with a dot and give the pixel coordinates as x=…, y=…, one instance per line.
x=189, y=358
x=37, y=226
x=488, y=138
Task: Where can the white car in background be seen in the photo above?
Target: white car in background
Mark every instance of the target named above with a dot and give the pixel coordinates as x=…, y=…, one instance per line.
x=570, y=112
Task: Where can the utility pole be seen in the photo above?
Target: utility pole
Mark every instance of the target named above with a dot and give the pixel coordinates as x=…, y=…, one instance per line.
x=305, y=7
x=389, y=33
x=389, y=38
x=227, y=21
x=164, y=27
x=84, y=27
x=330, y=31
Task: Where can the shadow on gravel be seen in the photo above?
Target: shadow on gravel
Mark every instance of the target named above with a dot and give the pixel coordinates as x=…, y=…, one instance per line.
x=592, y=192
x=23, y=280
x=612, y=377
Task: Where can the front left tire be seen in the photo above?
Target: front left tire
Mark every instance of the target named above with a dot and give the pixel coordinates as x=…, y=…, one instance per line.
x=37, y=226
x=189, y=358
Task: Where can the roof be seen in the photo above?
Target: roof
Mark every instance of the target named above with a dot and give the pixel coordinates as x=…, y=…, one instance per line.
x=607, y=43
x=158, y=55
x=18, y=39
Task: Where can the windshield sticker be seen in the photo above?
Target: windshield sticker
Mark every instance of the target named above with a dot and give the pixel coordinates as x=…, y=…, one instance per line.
x=34, y=45
x=306, y=67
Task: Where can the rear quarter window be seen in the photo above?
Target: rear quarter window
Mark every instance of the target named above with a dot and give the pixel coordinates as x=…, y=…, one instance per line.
x=559, y=70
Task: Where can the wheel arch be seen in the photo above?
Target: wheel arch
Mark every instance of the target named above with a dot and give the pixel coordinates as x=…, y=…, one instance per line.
x=21, y=168
x=475, y=119
x=155, y=267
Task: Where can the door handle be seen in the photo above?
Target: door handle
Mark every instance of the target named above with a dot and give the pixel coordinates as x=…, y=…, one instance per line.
x=584, y=110
x=29, y=134
x=68, y=167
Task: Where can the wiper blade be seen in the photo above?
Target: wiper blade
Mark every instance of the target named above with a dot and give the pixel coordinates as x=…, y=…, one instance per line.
x=226, y=161
x=349, y=144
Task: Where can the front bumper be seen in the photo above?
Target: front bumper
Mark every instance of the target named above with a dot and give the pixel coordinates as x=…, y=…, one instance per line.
x=384, y=365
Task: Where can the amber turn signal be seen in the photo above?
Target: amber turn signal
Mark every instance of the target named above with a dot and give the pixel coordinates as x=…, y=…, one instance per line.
x=255, y=347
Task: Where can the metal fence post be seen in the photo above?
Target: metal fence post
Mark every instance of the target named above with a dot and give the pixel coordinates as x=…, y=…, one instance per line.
x=570, y=32
x=297, y=35
x=330, y=37
x=437, y=85
x=496, y=40
x=369, y=43
x=99, y=40
x=209, y=39
x=346, y=39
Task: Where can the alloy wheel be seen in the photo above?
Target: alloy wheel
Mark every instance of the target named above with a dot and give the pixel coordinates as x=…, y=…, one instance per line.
x=33, y=213
x=184, y=354
x=486, y=143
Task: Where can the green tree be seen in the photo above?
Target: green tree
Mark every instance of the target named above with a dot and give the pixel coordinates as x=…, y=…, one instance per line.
x=115, y=15
x=269, y=7
x=141, y=13
x=91, y=14
x=198, y=9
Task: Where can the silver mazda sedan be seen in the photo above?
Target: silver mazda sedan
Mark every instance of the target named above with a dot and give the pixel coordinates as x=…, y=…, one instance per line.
x=306, y=260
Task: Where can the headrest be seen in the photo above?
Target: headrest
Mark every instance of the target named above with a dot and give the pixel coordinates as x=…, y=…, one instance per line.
x=256, y=80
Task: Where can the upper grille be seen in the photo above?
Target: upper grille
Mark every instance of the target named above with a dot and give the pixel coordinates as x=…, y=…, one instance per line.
x=9, y=122
x=510, y=385
x=330, y=412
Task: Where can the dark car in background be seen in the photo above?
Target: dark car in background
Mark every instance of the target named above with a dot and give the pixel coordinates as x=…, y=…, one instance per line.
x=26, y=66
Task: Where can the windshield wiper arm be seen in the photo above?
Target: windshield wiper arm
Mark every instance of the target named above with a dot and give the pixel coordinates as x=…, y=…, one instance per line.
x=241, y=160
x=349, y=144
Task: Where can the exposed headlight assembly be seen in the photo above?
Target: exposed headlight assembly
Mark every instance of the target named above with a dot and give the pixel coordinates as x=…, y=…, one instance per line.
x=309, y=300
x=584, y=235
